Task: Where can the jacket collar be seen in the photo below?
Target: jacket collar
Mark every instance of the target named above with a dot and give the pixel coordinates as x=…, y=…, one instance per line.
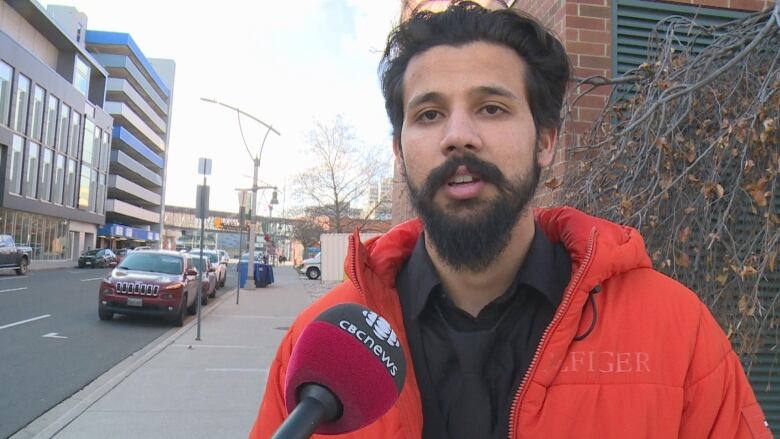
x=620, y=248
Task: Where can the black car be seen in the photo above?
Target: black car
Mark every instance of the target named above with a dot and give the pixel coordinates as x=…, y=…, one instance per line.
x=100, y=258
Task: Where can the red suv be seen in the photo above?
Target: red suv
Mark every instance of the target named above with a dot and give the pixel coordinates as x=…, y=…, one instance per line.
x=162, y=283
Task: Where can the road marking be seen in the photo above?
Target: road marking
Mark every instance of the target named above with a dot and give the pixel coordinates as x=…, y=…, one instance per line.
x=15, y=277
x=94, y=278
x=25, y=321
x=53, y=335
x=226, y=369
x=13, y=289
x=75, y=272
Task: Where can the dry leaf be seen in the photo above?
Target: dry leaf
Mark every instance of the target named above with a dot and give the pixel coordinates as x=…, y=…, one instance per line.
x=682, y=260
x=743, y=303
x=720, y=191
x=722, y=278
x=553, y=183
x=749, y=164
x=684, y=235
x=770, y=263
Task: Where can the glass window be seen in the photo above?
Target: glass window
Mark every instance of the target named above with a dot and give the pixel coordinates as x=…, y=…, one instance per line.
x=37, y=112
x=15, y=167
x=62, y=137
x=6, y=78
x=44, y=183
x=81, y=76
x=101, y=194
x=31, y=169
x=96, y=147
x=70, y=183
x=58, y=179
x=84, y=197
x=75, y=130
x=92, y=190
x=50, y=123
x=35, y=235
x=22, y=101
x=105, y=150
x=87, y=150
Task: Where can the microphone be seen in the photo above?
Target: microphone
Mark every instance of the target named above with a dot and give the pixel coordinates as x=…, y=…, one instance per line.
x=345, y=371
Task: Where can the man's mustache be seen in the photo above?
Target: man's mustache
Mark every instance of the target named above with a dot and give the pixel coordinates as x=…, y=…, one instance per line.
x=486, y=171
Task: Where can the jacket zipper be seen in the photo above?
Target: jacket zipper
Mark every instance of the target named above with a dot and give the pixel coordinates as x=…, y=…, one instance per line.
x=561, y=311
x=353, y=267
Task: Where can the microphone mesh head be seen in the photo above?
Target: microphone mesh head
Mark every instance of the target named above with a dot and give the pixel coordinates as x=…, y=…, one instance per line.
x=353, y=352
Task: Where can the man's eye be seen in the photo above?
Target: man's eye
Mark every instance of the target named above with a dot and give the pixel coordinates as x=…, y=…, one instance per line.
x=492, y=109
x=429, y=115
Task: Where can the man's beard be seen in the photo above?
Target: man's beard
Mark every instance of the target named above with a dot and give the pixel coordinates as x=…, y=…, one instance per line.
x=474, y=240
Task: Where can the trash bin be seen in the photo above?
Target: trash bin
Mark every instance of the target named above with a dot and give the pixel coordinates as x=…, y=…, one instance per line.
x=264, y=275
x=243, y=273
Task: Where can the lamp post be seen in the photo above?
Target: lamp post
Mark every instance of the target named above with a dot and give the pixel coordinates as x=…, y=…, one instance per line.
x=256, y=162
x=274, y=201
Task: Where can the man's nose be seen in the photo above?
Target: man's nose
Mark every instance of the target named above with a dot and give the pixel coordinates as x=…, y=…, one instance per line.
x=460, y=134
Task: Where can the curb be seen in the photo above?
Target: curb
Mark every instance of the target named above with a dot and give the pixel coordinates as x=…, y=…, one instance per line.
x=112, y=377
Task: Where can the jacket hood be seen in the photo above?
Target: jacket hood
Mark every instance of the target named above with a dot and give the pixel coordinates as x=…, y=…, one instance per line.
x=616, y=249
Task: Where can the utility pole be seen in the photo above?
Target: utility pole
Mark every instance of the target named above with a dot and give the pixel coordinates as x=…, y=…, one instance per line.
x=256, y=162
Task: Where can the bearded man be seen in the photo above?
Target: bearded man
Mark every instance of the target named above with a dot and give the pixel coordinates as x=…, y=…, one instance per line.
x=518, y=323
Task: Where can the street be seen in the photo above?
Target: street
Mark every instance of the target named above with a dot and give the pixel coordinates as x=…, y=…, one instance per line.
x=52, y=343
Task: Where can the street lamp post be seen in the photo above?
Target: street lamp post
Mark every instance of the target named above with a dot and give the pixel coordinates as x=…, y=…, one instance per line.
x=256, y=162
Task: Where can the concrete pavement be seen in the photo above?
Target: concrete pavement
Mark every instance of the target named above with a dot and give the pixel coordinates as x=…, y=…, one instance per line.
x=182, y=388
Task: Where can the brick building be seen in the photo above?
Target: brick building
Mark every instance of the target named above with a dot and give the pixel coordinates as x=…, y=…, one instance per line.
x=602, y=37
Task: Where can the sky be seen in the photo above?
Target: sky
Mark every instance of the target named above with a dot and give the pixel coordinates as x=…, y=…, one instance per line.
x=287, y=66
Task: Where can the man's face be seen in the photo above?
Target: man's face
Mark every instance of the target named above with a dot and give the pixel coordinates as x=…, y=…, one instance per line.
x=470, y=149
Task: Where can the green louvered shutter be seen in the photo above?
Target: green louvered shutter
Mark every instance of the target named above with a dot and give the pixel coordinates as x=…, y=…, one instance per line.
x=632, y=24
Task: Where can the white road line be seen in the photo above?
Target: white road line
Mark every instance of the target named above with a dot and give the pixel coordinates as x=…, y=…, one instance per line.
x=15, y=277
x=94, y=278
x=25, y=321
x=227, y=369
x=13, y=289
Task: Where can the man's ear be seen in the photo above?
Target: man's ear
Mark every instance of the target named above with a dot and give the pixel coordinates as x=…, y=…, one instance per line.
x=545, y=146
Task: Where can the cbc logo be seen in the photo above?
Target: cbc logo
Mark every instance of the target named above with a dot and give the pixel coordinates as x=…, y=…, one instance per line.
x=382, y=329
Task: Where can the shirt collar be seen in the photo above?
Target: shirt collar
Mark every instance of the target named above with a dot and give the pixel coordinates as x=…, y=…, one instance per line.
x=546, y=269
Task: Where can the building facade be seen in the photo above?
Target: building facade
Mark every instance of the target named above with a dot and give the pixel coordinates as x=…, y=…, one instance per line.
x=139, y=95
x=54, y=135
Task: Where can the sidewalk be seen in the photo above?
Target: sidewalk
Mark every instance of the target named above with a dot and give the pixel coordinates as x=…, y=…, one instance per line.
x=182, y=388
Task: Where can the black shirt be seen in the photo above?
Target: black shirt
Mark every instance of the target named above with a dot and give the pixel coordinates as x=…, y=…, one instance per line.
x=505, y=335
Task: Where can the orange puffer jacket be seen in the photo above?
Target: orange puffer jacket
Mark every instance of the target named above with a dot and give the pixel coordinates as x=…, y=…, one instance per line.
x=654, y=363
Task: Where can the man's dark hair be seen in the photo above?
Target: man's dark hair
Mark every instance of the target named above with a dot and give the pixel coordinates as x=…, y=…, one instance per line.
x=464, y=22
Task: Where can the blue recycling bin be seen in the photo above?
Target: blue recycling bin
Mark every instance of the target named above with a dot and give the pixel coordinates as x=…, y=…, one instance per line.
x=264, y=275
x=243, y=273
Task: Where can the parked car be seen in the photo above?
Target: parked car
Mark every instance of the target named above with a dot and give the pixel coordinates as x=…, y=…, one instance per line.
x=311, y=267
x=219, y=266
x=153, y=282
x=209, y=277
x=14, y=257
x=98, y=258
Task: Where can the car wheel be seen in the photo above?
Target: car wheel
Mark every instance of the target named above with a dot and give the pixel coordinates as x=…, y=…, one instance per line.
x=23, y=265
x=178, y=319
x=105, y=315
x=81, y=265
x=192, y=309
x=313, y=273
x=204, y=298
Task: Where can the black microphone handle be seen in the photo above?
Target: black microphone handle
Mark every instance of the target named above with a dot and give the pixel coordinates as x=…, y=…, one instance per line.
x=317, y=404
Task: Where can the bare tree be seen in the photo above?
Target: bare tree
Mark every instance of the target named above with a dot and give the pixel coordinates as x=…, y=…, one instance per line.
x=343, y=171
